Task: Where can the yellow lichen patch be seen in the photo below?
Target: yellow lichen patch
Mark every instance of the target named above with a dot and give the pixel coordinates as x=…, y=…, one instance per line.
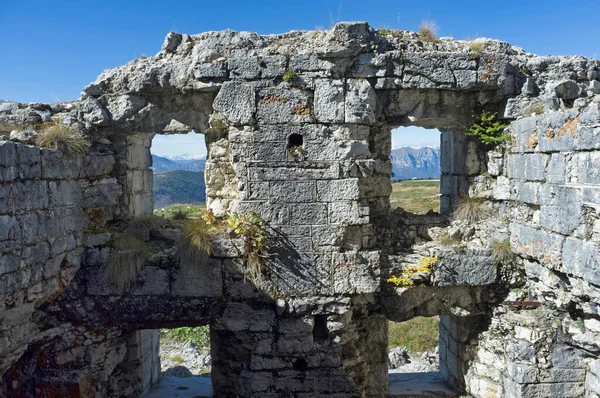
x=407, y=276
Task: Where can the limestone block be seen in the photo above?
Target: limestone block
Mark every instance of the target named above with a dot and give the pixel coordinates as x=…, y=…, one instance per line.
x=583, y=168
x=348, y=213
x=104, y=192
x=94, y=113
x=124, y=106
x=310, y=63
x=525, y=134
x=543, y=246
x=258, y=190
x=244, y=67
x=346, y=189
x=588, y=138
x=210, y=70
x=327, y=235
x=525, y=191
x=64, y=193
x=582, y=259
x=356, y=272
x=239, y=316
x=29, y=162
x=201, y=279
x=294, y=171
x=55, y=165
x=284, y=105
x=273, y=213
x=253, y=152
x=361, y=102
x=308, y=214
x=428, y=70
x=97, y=165
x=475, y=268
x=236, y=102
x=369, y=65
x=567, y=89
x=336, y=150
x=293, y=191
x=556, y=170
x=329, y=100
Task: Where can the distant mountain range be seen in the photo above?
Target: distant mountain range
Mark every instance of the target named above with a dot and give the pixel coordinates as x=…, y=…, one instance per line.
x=422, y=162
x=185, y=162
x=178, y=186
x=181, y=180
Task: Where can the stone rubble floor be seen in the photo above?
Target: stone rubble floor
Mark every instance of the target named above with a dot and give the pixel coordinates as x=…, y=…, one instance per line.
x=405, y=385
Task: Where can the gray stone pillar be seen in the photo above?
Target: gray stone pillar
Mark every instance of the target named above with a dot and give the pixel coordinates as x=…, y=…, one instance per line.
x=270, y=351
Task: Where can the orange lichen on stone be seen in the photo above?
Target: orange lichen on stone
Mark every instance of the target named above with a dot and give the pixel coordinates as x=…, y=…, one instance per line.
x=274, y=99
x=533, y=140
x=301, y=110
x=549, y=133
x=569, y=127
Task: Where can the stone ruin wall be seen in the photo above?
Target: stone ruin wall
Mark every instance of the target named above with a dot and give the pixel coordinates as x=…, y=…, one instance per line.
x=319, y=326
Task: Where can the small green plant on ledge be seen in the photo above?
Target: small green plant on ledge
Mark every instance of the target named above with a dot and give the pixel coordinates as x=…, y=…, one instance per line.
x=488, y=129
x=59, y=136
x=289, y=76
x=535, y=109
x=198, y=233
x=409, y=274
x=253, y=230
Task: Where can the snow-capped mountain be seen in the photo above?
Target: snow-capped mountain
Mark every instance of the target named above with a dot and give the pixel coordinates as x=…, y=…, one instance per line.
x=415, y=162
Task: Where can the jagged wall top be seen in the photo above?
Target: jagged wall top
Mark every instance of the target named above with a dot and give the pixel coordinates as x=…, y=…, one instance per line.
x=190, y=70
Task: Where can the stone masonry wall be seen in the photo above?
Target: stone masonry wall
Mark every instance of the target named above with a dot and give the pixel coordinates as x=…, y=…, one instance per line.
x=298, y=130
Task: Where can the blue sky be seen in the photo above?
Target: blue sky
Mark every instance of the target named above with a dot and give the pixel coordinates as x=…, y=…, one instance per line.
x=52, y=49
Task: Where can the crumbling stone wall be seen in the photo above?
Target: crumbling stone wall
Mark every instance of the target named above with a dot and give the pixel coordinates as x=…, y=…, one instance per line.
x=298, y=130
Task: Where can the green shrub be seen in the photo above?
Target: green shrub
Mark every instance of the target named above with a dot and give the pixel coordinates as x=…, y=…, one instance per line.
x=428, y=31
x=488, y=130
x=61, y=137
x=471, y=210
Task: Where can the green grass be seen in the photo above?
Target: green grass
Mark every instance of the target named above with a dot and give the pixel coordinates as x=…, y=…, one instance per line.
x=417, y=335
x=180, y=211
x=416, y=196
x=198, y=335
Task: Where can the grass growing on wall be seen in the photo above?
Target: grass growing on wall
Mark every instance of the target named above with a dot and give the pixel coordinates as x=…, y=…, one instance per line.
x=417, y=335
x=416, y=196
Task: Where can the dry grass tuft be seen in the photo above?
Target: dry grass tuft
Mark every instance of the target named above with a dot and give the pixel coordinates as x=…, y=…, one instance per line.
x=471, y=210
x=126, y=260
x=63, y=138
x=196, y=237
x=502, y=252
x=476, y=48
x=428, y=31
x=448, y=240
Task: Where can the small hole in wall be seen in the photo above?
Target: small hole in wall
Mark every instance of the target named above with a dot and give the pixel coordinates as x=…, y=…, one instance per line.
x=295, y=140
x=300, y=365
x=320, y=331
x=295, y=149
